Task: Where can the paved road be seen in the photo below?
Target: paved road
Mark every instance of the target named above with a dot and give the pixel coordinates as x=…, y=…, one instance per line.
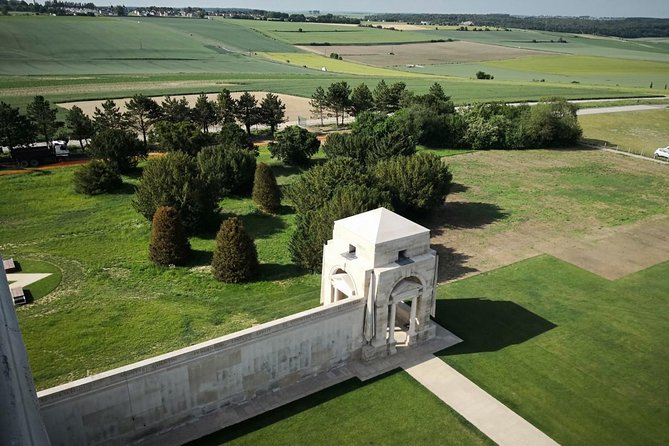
x=619, y=109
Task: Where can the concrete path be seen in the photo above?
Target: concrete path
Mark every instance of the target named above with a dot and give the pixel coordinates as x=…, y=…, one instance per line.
x=491, y=417
x=24, y=279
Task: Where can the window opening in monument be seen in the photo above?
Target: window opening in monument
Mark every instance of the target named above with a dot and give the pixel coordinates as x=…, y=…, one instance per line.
x=351, y=250
x=402, y=255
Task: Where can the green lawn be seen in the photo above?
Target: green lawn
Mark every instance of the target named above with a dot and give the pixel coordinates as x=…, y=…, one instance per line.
x=113, y=306
x=639, y=132
x=394, y=409
x=582, y=358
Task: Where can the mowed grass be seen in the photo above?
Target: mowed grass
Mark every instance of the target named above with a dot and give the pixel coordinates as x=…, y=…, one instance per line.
x=639, y=132
x=355, y=413
x=318, y=62
x=583, y=359
x=335, y=34
x=113, y=306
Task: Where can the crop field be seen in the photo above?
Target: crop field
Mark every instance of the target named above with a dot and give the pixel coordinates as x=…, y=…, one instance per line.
x=639, y=132
x=563, y=69
x=334, y=34
x=421, y=53
x=581, y=45
x=41, y=45
x=317, y=62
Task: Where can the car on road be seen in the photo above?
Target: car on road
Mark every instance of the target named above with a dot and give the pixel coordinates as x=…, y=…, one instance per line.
x=662, y=152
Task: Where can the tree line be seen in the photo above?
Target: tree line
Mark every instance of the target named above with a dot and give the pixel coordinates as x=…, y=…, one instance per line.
x=629, y=27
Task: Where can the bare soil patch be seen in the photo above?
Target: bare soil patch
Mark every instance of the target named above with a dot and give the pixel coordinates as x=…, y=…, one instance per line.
x=422, y=53
x=295, y=105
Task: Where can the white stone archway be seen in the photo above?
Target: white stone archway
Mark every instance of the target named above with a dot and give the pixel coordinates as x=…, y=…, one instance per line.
x=342, y=285
x=403, y=303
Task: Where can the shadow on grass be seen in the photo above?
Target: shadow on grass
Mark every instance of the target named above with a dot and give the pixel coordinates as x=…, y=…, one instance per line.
x=464, y=215
x=452, y=264
x=274, y=271
x=199, y=257
x=457, y=187
x=286, y=411
x=124, y=189
x=261, y=225
x=282, y=170
x=488, y=325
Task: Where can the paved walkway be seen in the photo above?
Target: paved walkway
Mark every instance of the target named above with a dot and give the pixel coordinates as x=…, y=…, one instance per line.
x=619, y=109
x=491, y=417
x=24, y=279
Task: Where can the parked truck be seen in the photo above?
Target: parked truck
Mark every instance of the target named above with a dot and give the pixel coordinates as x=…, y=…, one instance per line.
x=40, y=153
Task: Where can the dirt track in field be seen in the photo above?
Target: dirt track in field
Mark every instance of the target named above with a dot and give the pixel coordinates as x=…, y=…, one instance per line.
x=422, y=53
x=295, y=105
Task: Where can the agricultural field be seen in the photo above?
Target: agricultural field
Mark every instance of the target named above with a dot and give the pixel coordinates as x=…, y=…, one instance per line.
x=640, y=132
x=421, y=53
x=333, y=34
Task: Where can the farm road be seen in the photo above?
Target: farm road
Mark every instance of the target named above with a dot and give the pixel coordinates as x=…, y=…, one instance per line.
x=619, y=109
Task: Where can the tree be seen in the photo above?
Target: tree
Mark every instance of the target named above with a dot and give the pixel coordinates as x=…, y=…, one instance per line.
x=43, y=117
x=175, y=110
x=361, y=99
x=169, y=244
x=231, y=135
x=338, y=99
x=235, y=256
x=397, y=92
x=79, y=125
x=416, y=183
x=314, y=227
x=266, y=193
x=119, y=148
x=109, y=117
x=173, y=180
x=272, y=111
x=226, y=170
x=318, y=103
x=15, y=128
x=141, y=112
x=224, y=108
x=96, y=177
x=181, y=136
x=203, y=113
x=318, y=185
x=247, y=110
x=382, y=97
x=294, y=145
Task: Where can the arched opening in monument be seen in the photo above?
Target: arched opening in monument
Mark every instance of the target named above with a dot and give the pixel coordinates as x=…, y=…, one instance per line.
x=342, y=286
x=403, y=303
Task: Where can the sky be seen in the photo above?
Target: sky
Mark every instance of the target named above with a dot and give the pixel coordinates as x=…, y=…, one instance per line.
x=595, y=8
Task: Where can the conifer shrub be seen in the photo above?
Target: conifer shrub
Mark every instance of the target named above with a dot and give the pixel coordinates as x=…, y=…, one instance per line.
x=227, y=170
x=173, y=180
x=96, y=177
x=266, y=193
x=235, y=256
x=169, y=244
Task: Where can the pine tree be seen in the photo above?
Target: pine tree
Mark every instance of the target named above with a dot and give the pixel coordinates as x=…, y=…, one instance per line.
x=266, y=193
x=169, y=244
x=235, y=257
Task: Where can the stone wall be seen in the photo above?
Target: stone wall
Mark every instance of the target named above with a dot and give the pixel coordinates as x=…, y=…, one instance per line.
x=143, y=399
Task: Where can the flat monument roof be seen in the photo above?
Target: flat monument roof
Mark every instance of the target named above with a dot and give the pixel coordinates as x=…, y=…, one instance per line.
x=380, y=225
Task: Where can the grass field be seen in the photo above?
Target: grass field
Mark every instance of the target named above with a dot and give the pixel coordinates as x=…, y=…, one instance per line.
x=640, y=132
x=581, y=358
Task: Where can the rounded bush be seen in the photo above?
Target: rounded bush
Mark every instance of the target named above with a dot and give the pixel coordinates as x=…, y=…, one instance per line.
x=266, y=193
x=235, y=256
x=96, y=177
x=169, y=244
